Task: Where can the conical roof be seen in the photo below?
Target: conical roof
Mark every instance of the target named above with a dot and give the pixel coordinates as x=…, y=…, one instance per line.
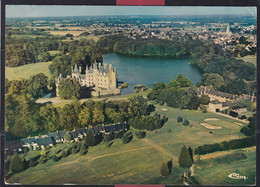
x=76, y=69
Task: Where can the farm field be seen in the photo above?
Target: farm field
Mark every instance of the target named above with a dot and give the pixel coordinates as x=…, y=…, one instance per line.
x=63, y=33
x=139, y=161
x=25, y=71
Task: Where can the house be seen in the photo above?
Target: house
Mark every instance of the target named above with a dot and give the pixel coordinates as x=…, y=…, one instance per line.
x=77, y=134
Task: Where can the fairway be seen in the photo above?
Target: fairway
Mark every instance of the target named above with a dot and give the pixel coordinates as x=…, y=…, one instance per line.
x=139, y=161
x=25, y=71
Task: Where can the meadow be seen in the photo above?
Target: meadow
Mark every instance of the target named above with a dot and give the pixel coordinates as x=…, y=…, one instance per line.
x=139, y=161
x=25, y=71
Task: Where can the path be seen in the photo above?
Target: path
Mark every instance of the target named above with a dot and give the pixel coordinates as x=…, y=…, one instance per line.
x=56, y=100
x=163, y=151
x=106, y=155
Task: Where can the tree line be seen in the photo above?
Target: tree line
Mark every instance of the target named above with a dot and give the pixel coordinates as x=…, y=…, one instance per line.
x=181, y=46
x=25, y=117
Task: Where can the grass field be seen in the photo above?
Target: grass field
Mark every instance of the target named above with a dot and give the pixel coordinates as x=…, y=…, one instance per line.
x=25, y=71
x=249, y=58
x=139, y=161
x=63, y=33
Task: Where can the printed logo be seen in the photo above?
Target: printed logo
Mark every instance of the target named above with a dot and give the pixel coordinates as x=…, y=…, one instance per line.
x=236, y=176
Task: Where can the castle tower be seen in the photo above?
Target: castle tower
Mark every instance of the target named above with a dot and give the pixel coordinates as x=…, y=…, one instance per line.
x=75, y=72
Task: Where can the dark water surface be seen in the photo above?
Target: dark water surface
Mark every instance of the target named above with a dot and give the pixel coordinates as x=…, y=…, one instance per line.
x=149, y=70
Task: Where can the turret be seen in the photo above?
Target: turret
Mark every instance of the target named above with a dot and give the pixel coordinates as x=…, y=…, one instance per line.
x=80, y=69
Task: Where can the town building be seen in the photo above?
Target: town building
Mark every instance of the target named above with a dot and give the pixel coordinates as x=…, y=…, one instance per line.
x=77, y=134
x=101, y=79
x=221, y=100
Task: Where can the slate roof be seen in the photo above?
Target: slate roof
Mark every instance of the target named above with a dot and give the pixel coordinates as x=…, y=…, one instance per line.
x=55, y=137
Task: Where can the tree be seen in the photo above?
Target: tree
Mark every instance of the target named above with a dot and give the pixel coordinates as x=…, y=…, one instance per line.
x=85, y=117
x=90, y=139
x=51, y=117
x=216, y=80
x=37, y=85
x=185, y=159
x=186, y=122
x=98, y=116
x=16, y=164
x=204, y=99
x=165, y=169
x=43, y=153
x=69, y=88
x=179, y=82
x=68, y=116
x=179, y=119
x=83, y=149
x=68, y=136
x=63, y=154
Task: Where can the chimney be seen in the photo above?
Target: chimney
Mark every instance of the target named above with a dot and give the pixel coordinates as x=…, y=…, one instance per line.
x=105, y=66
x=110, y=67
x=71, y=69
x=99, y=66
x=79, y=69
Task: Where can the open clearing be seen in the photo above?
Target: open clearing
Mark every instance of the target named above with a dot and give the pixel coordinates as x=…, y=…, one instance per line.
x=139, y=161
x=25, y=71
x=210, y=126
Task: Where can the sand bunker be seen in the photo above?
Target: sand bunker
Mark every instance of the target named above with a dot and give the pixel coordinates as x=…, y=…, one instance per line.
x=210, y=126
x=239, y=124
x=164, y=109
x=211, y=119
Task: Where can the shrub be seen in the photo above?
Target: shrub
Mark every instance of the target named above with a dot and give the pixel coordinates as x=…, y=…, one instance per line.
x=140, y=134
x=186, y=122
x=43, y=153
x=42, y=160
x=204, y=110
x=217, y=110
x=16, y=164
x=31, y=163
x=179, y=119
x=64, y=154
x=243, y=117
x=83, y=149
x=74, y=150
x=55, y=158
x=127, y=137
x=233, y=114
x=165, y=169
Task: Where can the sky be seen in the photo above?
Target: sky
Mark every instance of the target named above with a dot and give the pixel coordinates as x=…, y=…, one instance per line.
x=57, y=11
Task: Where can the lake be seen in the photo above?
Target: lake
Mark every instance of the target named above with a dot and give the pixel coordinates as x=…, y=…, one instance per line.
x=149, y=70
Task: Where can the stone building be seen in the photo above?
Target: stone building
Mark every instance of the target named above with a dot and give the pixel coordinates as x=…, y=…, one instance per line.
x=101, y=79
x=221, y=100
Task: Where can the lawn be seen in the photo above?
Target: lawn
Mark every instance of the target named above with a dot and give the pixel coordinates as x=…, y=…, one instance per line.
x=139, y=161
x=25, y=71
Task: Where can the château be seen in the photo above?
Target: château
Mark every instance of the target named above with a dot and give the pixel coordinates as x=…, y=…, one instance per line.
x=102, y=79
